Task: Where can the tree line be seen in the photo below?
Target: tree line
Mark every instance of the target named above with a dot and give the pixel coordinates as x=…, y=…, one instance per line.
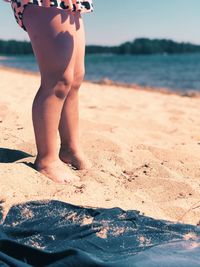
x=139, y=46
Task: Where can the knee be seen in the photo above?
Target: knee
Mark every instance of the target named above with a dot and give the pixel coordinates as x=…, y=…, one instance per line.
x=63, y=86
x=60, y=86
x=78, y=79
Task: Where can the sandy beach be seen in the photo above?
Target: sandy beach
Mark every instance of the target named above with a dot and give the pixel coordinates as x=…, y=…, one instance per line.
x=144, y=146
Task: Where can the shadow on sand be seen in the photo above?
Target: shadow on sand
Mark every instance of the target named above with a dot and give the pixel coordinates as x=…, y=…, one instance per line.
x=12, y=155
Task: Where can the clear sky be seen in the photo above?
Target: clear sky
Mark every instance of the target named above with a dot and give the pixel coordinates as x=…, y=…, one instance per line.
x=116, y=21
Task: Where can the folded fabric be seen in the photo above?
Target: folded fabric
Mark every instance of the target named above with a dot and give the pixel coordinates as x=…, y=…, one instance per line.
x=54, y=233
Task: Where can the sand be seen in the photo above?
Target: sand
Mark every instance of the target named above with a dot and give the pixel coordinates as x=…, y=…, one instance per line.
x=144, y=146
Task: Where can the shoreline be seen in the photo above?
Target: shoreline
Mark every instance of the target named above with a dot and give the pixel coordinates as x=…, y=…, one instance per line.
x=188, y=93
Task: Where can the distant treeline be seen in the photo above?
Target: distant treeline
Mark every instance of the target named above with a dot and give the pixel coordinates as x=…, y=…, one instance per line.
x=139, y=46
x=13, y=47
x=145, y=46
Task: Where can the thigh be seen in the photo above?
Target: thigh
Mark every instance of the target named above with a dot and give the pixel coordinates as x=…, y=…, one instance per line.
x=52, y=33
x=79, y=65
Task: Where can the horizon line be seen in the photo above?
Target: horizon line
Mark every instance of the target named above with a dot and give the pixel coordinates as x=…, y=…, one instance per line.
x=141, y=37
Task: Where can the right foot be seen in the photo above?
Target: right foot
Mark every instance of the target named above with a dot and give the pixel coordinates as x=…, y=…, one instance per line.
x=75, y=158
x=56, y=171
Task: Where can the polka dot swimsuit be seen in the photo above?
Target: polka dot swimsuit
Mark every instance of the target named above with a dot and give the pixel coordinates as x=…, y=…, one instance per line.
x=18, y=7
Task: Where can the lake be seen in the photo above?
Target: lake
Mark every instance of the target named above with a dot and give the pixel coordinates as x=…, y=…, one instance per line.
x=177, y=72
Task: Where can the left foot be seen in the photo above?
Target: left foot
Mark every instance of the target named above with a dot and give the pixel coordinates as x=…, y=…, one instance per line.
x=75, y=158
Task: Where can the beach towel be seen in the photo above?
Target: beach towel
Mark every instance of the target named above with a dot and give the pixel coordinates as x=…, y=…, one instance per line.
x=54, y=233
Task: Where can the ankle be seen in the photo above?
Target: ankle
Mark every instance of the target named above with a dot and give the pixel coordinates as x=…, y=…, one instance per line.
x=42, y=162
x=69, y=148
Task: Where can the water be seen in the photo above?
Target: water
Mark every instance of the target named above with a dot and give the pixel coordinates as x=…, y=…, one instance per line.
x=177, y=72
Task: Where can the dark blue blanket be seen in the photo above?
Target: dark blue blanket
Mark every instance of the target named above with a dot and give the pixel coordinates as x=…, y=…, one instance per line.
x=54, y=233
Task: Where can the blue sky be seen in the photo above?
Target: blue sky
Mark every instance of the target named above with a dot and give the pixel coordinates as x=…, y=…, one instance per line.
x=116, y=21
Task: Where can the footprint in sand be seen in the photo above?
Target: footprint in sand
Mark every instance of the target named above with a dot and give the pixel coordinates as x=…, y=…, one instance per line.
x=165, y=154
x=3, y=112
x=100, y=127
x=163, y=190
x=99, y=143
x=6, y=114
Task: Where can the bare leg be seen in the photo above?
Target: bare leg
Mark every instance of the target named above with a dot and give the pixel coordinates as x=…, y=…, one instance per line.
x=70, y=151
x=52, y=39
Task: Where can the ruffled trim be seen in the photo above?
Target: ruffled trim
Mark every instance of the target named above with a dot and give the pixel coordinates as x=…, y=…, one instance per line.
x=71, y=5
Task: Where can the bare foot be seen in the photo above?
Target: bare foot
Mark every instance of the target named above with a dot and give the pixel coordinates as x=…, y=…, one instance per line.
x=74, y=158
x=56, y=171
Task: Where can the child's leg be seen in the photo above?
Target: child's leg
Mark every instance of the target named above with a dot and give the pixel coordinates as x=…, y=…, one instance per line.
x=51, y=32
x=70, y=151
